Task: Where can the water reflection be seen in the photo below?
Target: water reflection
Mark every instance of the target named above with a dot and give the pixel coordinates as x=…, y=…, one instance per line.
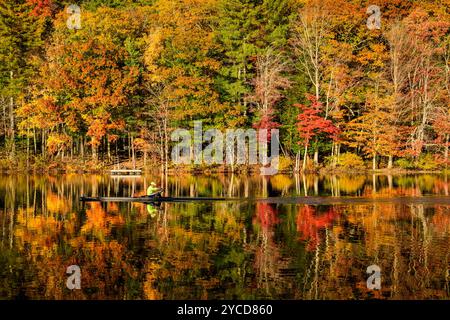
x=242, y=250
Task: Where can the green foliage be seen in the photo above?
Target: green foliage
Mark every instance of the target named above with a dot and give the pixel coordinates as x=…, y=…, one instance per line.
x=405, y=163
x=94, y=4
x=427, y=162
x=245, y=29
x=238, y=36
x=20, y=39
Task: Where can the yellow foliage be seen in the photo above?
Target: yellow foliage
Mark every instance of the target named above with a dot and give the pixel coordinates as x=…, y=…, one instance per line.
x=284, y=164
x=351, y=184
x=55, y=204
x=350, y=160
x=57, y=142
x=280, y=182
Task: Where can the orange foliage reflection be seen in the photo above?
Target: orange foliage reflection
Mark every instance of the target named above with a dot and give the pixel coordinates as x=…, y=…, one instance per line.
x=98, y=222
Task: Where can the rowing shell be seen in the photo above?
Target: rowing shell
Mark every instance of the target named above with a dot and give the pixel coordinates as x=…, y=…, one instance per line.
x=150, y=199
x=427, y=200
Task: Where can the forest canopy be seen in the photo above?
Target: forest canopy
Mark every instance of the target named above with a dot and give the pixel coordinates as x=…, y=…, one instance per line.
x=113, y=90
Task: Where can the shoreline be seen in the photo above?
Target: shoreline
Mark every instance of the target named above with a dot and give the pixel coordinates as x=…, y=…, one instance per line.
x=320, y=172
x=78, y=166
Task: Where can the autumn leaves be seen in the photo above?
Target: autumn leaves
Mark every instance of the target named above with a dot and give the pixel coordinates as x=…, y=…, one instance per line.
x=117, y=87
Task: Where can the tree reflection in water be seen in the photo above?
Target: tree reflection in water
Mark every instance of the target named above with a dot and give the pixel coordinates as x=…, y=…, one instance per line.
x=221, y=250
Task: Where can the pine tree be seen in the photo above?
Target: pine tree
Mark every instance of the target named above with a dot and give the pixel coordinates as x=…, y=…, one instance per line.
x=239, y=38
x=245, y=30
x=20, y=41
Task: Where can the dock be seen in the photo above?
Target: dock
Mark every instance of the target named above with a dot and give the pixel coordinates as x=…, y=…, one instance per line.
x=125, y=172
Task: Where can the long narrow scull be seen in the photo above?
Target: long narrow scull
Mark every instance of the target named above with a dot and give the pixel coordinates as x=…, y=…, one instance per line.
x=146, y=199
x=314, y=200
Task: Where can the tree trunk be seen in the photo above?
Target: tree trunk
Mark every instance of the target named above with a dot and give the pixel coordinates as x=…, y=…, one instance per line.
x=304, y=157
x=316, y=185
x=117, y=152
x=333, y=154
x=129, y=146
x=447, y=137
x=11, y=123
x=82, y=147
x=297, y=161
x=108, y=147
x=44, y=153
x=28, y=148
x=374, y=162
x=232, y=158
x=338, y=151
x=34, y=141
x=161, y=149
x=390, y=161
x=5, y=117
x=305, y=186
x=133, y=153
x=166, y=147
x=446, y=184
x=94, y=153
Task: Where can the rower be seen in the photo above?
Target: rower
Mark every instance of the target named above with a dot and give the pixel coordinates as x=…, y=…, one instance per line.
x=152, y=210
x=152, y=189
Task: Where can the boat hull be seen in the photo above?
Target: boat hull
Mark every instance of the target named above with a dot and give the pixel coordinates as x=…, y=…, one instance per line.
x=280, y=200
x=148, y=199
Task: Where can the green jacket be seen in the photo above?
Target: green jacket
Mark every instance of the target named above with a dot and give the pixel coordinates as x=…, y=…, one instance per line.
x=151, y=189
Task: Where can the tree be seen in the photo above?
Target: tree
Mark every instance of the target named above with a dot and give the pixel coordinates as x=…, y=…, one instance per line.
x=321, y=54
x=246, y=31
x=424, y=79
x=441, y=126
x=88, y=78
x=180, y=67
x=311, y=124
x=268, y=84
x=238, y=36
x=20, y=39
x=371, y=131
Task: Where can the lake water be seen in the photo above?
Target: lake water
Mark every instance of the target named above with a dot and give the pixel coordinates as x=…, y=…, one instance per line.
x=226, y=250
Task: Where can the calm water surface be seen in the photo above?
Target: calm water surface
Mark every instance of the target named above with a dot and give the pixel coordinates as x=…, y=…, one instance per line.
x=225, y=250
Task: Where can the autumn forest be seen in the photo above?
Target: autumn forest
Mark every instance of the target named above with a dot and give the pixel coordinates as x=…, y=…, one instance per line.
x=344, y=96
x=359, y=91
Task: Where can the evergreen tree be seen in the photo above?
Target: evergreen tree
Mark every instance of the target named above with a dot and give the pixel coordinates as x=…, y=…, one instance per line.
x=245, y=30
x=20, y=42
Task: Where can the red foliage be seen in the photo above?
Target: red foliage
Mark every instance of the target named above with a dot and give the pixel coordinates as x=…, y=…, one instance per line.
x=266, y=216
x=442, y=127
x=266, y=122
x=308, y=224
x=310, y=123
x=41, y=8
